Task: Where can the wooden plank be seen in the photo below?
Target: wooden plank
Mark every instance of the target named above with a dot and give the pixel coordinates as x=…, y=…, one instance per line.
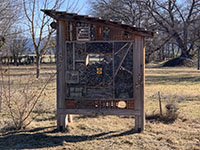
x=116, y=34
x=127, y=70
x=113, y=70
x=0, y=101
x=97, y=104
x=99, y=32
x=74, y=56
x=136, y=60
x=198, y=61
x=61, y=66
x=99, y=87
x=80, y=61
x=110, y=41
x=70, y=31
x=98, y=22
x=1, y=86
x=60, y=72
x=74, y=34
x=103, y=99
x=121, y=48
x=100, y=111
x=67, y=31
x=139, y=82
x=142, y=65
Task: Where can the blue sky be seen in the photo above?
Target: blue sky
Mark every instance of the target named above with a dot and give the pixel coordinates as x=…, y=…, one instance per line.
x=83, y=6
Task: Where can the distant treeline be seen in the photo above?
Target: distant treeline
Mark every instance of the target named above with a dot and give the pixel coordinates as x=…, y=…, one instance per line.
x=26, y=60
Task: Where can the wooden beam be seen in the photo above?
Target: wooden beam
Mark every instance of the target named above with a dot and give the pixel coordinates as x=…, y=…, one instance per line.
x=71, y=31
x=121, y=48
x=113, y=71
x=198, y=61
x=136, y=60
x=80, y=61
x=142, y=65
x=100, y=112
x=138, y=81
x=60, y=52
x=103, y=99
x=59, y=15
x=74, y=56
x=127, y=70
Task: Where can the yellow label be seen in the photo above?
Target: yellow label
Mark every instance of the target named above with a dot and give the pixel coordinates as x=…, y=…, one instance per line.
x=99, y=69
x=99, y=72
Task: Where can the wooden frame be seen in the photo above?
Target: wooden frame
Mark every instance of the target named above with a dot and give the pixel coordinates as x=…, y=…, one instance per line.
x=138, y=82
x=66, y=105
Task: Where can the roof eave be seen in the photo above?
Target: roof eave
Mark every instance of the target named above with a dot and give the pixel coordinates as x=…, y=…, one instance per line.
x=60, y=15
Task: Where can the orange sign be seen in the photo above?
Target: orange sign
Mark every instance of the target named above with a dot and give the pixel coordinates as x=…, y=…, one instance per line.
x=99, y=70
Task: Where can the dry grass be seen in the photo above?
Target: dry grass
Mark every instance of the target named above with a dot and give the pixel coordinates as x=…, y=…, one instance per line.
x=181, y=85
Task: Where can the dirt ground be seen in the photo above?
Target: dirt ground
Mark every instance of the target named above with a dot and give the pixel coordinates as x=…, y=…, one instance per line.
x=178, y=85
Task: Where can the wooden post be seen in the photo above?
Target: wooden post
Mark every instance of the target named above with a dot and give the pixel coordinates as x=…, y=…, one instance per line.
x=70, y=31
x=138, y=81
x=0, y=100
x=73, y=45
x=198, y=58
x=1, y=94
x=142, y=82
x=160, y=105
x=113, y=69
x=135, y=88
x=61, y=118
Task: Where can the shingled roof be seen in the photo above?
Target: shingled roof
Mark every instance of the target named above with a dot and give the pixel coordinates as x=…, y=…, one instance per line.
x=62, y=15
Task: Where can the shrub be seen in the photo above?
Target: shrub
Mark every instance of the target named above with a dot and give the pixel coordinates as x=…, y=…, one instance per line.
x=169, y=116
x=20, y=100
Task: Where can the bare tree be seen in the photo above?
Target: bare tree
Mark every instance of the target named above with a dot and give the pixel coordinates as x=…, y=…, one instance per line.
x=73, y=7
x=2, y=41
x=134, y=13
x=9, y=15
x=39, y=25
x=177, y=19
x=17, y=45
x=127, y=11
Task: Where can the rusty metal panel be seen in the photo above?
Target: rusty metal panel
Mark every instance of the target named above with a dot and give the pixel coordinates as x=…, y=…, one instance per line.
x=99, y=104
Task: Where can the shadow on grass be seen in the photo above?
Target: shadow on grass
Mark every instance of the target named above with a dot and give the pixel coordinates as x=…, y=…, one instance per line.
x=13, y=132
x=171, y=79
x=87, y=116
x=38, y=138
x=46, y=119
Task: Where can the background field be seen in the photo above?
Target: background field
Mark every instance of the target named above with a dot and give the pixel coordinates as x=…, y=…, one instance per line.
x=179, y=85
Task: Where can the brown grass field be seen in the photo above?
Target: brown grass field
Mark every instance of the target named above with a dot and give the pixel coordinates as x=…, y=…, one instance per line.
x=178, y=85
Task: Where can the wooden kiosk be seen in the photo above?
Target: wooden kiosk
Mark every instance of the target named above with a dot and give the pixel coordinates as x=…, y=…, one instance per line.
x=100, y=67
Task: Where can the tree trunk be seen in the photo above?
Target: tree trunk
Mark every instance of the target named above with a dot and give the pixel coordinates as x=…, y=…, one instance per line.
x=185, y=53
x=15, y=60
x=182, y=45
x=38, y=66
x=173, y=51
